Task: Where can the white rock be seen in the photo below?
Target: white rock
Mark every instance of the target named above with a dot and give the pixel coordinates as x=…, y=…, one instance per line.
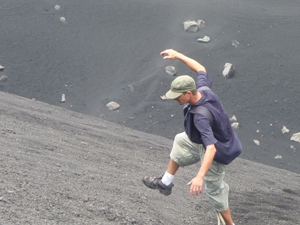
x=131, y=88
x=3, y=78
x=235, y=125
x=285, y=130
x=228, y=70
x=171, y=70
x=205, y=39
x=278, y=157
x=63, y=19
x=2, y=68
x=256, y=142
x=296, y=137
x=191, y=26
x=201, y=23
x=57, y=7
x=63, y=98
x=235, y=43
x=233, y=119
x=112, y=105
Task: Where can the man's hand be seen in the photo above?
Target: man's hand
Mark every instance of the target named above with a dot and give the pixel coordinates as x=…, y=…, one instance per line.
x=169, y=54
x=196, y=186
x=197, y=183
x=172, y=54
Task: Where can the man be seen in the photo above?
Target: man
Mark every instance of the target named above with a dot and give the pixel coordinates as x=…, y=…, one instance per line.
x=208, y=138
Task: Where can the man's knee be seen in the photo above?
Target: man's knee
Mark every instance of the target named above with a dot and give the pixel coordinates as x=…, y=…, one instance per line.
x=179, y=137
x=184, y=152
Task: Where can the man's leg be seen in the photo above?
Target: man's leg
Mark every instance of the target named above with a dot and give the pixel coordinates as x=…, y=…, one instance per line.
x=218, y=191
x=184, y=153
x=173, y=167
x=168, y=176
x=227, y=216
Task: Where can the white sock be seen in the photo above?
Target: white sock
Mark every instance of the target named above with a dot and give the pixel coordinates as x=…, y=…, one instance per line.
x=167, y=179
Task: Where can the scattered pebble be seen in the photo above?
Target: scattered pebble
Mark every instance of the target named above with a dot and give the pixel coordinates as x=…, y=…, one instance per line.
x=2, y=68
x=278, y=157
x=201, y=23
x=3, y=78
x=131, y=88
x=190, y=26
x=171, y=70
x=205, y=39
x=285, y=130
x=63, y=98
x=296, y=137
x=112, y=105
x=235, y=125
x=235, y=43
x=57, y=7
x=228, y=70
x=233, y=119
x=256, y=142
x=63, y=19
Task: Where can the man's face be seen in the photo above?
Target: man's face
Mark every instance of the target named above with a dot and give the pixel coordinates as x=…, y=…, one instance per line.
x=184, y=98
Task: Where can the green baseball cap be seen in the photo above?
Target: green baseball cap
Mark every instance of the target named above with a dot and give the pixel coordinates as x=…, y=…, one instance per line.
x=180, y=85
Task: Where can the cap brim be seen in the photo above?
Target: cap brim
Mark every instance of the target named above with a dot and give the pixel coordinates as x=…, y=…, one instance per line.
x=172, y=95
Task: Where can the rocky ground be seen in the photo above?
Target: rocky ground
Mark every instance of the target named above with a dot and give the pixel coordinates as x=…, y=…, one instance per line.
x=94, y=52
x=63, y=162
x=61, y=167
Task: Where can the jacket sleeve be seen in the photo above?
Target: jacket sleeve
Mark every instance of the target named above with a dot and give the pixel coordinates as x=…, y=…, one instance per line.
x=203, y=126
x=203, y=80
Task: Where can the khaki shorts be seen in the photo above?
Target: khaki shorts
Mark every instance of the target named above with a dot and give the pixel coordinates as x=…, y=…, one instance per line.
x=185, y=152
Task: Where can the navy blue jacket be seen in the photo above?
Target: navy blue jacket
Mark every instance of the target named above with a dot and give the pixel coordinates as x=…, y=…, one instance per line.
x=218, y=131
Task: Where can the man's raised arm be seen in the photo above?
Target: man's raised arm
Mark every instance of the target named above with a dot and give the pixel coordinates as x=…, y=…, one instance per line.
x=193, y=64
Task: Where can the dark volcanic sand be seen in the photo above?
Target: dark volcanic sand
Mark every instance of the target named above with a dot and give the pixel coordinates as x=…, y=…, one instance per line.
x=61, y=167
x=105, y=47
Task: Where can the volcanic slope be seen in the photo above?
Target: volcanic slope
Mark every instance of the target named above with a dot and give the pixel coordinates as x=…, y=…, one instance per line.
x=62, y=167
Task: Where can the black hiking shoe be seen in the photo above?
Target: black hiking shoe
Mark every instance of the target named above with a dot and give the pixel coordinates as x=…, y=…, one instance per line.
x=155, y=183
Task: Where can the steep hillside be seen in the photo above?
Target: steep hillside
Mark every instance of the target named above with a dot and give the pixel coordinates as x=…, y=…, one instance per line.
x=62, y=167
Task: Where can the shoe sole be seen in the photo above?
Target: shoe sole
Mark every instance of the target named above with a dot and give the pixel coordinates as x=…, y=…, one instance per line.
x=166, y=193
